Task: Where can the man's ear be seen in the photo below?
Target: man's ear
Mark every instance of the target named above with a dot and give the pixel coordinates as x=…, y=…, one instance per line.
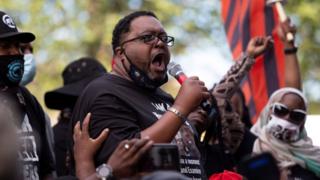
x=120, y=53
x=119, y=50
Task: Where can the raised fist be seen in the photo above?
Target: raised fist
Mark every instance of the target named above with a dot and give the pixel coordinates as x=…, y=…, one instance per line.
x=284, y=28
x=258, y=45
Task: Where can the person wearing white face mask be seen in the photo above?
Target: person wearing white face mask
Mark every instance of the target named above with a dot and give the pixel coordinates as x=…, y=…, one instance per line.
x=29, y=64
x=280, y=131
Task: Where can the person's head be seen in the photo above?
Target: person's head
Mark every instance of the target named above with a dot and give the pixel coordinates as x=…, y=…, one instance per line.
x=289, y=104
x=76, y=76
x=140, y=46
x=286, y=114
x=11, y=56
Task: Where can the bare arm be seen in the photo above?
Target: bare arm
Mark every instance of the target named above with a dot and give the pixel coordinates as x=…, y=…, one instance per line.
x=85, y=148
x=190, y=95
x=292, y=70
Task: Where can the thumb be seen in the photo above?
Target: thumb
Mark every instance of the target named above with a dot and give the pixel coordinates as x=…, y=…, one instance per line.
x=102, y=137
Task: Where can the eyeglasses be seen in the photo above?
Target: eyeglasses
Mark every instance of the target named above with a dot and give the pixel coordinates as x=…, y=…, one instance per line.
x=296, y=115
x=150, y=39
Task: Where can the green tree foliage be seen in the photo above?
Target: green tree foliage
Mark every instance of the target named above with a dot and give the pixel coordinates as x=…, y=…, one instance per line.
x=67, y=30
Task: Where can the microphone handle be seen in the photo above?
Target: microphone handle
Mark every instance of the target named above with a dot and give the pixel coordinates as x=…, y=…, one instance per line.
x=180, y=77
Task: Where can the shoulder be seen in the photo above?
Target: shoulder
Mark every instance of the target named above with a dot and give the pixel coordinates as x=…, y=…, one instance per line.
x=107, y=82
x=30, y=98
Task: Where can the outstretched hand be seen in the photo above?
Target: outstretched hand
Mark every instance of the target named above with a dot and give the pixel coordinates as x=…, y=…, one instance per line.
x=84, y=146
x=258, y=45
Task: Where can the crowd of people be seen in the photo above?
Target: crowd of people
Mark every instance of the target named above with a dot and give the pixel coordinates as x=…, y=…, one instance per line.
x=121, y=124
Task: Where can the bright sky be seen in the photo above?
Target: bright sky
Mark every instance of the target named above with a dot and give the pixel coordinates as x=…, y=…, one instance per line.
x=312, y=126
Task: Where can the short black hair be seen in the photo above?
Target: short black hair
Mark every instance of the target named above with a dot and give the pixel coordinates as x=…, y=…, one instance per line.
x=123, y=26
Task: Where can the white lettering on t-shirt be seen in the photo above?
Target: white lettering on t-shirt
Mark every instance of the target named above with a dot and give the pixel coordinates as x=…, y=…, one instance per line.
x=28, y=150
x=159, y=106
x=30, y=172
x=157, y=115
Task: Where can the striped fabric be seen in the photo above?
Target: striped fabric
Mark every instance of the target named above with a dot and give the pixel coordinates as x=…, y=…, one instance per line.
x=244, y=19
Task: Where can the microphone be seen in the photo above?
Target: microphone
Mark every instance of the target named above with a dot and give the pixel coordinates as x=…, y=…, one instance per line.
x=175, y=70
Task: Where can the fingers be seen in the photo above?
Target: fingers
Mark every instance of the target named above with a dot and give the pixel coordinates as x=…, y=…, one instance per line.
x=135, y=146
x=201, y=83
x=85, y=124
x=287, y=27
x=102, y=137
x=206, y=95
x=142, y=151
x=121, y=145
x=263, y=41
x=76, y=131
x=269, y=39
x=258, y=41
x=129, y=148
x=194, y=77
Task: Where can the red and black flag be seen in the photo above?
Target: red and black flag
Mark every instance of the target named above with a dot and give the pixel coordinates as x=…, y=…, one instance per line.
x=244, y=19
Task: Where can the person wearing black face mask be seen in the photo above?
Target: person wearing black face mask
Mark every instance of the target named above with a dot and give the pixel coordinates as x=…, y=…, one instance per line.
x=34, y=157
x=130, y=103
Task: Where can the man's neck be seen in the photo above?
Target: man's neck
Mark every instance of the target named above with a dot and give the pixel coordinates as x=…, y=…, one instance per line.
x=121, y=74
x=119, y=70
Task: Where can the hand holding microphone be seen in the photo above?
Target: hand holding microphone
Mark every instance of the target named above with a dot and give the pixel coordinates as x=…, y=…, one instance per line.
x=192, y=92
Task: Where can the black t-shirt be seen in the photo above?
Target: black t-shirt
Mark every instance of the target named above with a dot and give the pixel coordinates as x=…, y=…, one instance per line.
x=126, y=109
x=34, y=154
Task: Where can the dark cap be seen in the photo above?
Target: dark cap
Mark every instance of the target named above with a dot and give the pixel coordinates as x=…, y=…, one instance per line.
x=76, y=76
x=8, y=30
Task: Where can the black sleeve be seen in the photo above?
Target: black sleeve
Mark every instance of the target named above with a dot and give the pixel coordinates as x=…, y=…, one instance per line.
x=46, y=162
x=110, y=112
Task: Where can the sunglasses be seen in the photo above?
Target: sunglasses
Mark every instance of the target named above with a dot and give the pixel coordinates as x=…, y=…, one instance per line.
x=295, y=115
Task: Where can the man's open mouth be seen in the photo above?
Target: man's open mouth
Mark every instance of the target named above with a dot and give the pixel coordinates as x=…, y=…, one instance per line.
x=159, y=62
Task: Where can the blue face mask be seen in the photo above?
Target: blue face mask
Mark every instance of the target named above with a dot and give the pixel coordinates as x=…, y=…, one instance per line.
x=29, y=69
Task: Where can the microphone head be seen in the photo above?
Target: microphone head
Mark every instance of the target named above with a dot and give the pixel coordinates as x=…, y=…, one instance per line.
x=174, y=69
